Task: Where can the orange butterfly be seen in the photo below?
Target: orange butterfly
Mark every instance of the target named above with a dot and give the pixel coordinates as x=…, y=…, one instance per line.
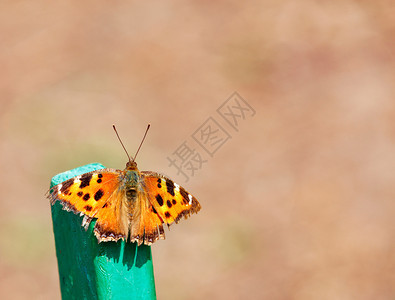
x=127, y=204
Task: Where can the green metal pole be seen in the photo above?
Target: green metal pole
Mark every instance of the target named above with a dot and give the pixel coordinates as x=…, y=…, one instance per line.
x=89, y=270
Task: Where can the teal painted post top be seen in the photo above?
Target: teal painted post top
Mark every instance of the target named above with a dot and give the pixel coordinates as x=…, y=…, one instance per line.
x=89, y=270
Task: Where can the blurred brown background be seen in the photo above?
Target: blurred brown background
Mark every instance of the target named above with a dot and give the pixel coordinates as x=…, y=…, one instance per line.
x=298, y=204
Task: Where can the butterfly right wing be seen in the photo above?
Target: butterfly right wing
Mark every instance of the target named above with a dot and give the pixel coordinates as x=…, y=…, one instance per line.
x=159, y=201
x=145, y=225
x=170, y=202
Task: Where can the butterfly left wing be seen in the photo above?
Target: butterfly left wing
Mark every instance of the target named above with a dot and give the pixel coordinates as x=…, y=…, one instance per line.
x=170, y=201
x=95, y=195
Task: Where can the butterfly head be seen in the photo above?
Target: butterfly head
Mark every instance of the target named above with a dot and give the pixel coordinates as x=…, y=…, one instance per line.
x=131, y=165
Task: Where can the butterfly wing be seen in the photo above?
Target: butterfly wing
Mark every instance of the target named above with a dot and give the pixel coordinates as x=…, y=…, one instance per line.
x=95, y=195
x=145, y=223
x=158, y=201
x=170, y=202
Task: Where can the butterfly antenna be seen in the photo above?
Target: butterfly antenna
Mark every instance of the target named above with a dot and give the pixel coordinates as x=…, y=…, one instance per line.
x=113, y=126
x=145, y=134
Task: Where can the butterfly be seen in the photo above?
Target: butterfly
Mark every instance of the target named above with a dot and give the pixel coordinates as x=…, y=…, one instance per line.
x=127, y=204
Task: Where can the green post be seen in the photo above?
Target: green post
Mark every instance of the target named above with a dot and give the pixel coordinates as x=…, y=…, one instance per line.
x=89, y=270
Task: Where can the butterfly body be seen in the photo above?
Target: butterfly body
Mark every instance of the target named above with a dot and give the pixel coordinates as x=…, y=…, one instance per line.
x=128, y=204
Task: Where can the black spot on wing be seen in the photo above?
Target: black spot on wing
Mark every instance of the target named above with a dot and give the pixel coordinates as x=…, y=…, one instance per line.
x=86, y=197
x=66, y=185
x=85, y=180
x=168, y=204
x=159, y=199
x=174, y=201
x=88, y=207
x=167, y=214
x=98, y=195
x=170, y=186
x=184, y=195
x=79, y=194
